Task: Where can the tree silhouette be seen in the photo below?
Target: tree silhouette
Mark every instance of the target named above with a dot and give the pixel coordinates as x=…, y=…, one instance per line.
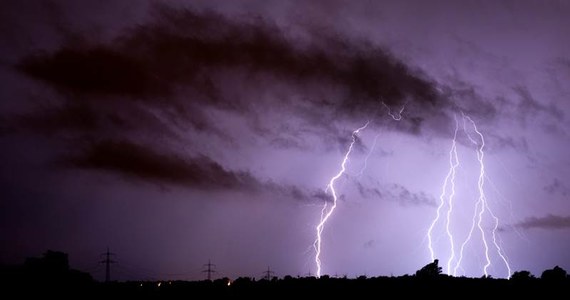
x=555, y=274
x=522, y=276
x=430, y=270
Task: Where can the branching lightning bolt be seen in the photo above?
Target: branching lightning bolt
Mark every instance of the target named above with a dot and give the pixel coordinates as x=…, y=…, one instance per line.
x=326, y=212
x=395, y=117
x=481, y=206
x=470, y=234
x=450, y=178
x=497, y=247
x=482, y=202
x=453, y=164
x=447, y=196
x=484, y=206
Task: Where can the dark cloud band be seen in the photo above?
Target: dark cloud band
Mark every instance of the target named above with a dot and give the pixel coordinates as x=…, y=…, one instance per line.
x=546, y=222
x=195, y=49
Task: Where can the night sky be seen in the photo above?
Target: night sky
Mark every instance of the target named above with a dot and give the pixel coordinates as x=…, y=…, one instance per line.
x=195, y=130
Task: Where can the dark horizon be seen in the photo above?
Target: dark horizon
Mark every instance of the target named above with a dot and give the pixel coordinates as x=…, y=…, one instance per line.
x=54, y=264
x=52, y=275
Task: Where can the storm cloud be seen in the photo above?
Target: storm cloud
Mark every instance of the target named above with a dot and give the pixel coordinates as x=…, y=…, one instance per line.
x=167, y=77
x=557, y=187
x=548, y=222
x=201, y=53
x=150, y=165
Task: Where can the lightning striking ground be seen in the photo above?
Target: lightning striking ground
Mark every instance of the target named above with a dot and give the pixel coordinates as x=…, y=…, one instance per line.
x=481, y=207
x=449, y=179
x=326, y=212
x=485, y=205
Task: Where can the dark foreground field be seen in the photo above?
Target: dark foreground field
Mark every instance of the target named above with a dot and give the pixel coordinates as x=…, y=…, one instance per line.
x=378, y=287
x=51, y=276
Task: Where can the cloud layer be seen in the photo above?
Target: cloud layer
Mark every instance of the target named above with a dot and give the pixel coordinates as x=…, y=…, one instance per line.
x=198, y=51
x=168, y=75
x=547, y=222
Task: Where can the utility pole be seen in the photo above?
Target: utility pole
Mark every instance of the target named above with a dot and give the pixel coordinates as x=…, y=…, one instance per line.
x=209, y=269
x=268, y=274
x=107, y=261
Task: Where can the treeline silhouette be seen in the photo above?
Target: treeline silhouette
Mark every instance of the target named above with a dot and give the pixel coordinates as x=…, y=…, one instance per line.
x=51, y=275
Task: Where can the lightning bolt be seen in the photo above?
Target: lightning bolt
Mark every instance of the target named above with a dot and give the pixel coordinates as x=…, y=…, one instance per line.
x=482, y=202
x=395, y=117
x=470, y=234
x=453, y=164
x=449, y=179
x=497, y=247
x=481, y=206
x=326, y=212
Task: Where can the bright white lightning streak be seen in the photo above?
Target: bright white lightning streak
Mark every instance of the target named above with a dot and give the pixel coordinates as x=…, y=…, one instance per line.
x=482, y=197
x=453, y=164
x=450, y=178
x=494, y=234
x=326, y=214
x=482, y=206
x=470, y=234
x=458, y=263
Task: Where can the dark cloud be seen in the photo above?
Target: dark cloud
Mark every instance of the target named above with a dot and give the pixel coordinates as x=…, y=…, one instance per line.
x=169, y=76
x=197, y=51
x=407, y=197
x=145, y=163
x=557, y=187
x=367, y=192
x=288, y=143
x=467, y=99
x=551, y=222
x=396, y=193
x=323, y=196
x=93, y=121
x=74, y=116
x=528, y=105
x=96, y=69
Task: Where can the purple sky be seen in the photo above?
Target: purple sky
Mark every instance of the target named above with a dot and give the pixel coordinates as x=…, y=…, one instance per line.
x=199, y=130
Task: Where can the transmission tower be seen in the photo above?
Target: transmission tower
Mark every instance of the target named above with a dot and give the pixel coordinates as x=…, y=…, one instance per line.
x=268, y=274
x=107, y=261
x=209, y=269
